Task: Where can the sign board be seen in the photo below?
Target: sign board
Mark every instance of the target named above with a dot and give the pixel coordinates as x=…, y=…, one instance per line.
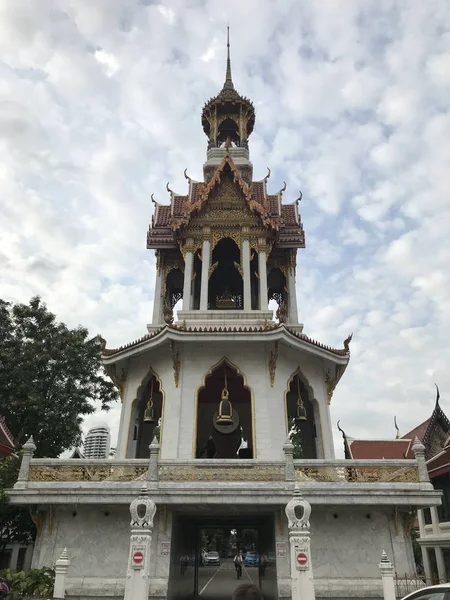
x=302, y=561
x=281, y=549
x=137, y=557
x=164, y=549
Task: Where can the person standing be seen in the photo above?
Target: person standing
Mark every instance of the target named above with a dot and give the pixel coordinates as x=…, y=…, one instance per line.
x=238, y=560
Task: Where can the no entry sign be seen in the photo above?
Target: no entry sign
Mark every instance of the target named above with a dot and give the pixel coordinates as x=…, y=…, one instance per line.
x=138, y=559
x=302, y=561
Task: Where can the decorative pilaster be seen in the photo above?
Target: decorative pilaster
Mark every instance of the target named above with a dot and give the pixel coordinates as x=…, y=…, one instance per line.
x=426, y=563
x=245, y=262
x=137, y=583
x=288, y=449
x=158, y=299
x=29, y=449
x=387, y=576
x=299, y=540
x=419, y=453
x=262, y=272
x=61, y=567
x=152, y=474
x=440, y=563
x=188, y=269
x=206, y=259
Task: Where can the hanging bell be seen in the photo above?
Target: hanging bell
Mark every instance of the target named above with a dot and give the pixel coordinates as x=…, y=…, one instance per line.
x=149, y=413
x=225, y=413
x=301, y=410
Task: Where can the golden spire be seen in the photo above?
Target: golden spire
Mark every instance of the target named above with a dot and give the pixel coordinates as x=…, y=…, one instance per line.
x=228, y=85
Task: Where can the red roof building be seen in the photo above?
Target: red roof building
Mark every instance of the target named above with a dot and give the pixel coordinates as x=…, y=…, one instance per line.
x=7, y=445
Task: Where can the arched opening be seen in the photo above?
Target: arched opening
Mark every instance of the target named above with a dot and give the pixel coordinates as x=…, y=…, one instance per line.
x=174, y=292
x=254, y=283
x=226, y=288
x=277, y=291
x=224, y=426
x=197, y=281
x=301, y=417
x=228, y=129
x=146, y=419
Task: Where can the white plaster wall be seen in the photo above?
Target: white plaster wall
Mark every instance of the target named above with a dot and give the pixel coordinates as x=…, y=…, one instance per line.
x=98, y=546
x=252, y=358
x=346, y=549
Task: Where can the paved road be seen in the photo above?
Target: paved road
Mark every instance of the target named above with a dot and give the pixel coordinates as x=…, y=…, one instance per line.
x=218, y=583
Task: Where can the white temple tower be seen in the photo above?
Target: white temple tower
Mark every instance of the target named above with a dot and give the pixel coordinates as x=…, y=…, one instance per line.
x=221, y=389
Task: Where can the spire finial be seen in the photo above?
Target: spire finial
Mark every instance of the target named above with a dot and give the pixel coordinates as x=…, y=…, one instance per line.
x=228, y=85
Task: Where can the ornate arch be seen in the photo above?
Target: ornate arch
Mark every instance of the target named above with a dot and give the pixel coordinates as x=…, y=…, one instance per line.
x=312, y=399
x=134, y=410
x=223, y=361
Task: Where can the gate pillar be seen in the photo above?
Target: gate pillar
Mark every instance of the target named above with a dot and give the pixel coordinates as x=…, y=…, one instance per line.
x=142, y=510
x=299, y=540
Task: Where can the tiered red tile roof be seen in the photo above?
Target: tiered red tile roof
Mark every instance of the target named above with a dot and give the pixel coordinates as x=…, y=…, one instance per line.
x=282, y=220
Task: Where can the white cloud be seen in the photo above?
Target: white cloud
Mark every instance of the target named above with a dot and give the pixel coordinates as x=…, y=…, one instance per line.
x=102, y=107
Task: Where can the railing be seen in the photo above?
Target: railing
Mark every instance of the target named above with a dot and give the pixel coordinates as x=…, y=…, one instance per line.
x=405, y=584
x=347, y=471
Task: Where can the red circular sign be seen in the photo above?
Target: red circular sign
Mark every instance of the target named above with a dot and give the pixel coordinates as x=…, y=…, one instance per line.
x=302, y=559
x=138, y=557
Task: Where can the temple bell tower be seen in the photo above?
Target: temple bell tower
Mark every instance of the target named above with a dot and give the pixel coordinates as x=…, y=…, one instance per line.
x=227, y=378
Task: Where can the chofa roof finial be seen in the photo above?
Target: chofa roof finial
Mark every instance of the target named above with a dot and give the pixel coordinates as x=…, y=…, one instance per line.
x=228, y=85
x=437, y=394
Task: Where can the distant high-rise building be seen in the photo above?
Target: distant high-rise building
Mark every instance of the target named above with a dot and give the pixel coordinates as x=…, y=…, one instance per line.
x=97, y=442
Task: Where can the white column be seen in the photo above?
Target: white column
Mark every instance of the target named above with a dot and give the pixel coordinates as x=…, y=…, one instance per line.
x=245, y=261
x=14, y=556
x=187, y=286
x=387, y=576
x=29, y=449
x=442, y=574
x=262, y=272
x=426, y=564
x=421, y=520
x=158, y=299
x=137, y=582
x=61, y=568
x=434, y=519
x=302, y=580
x=206, y=251
x=293, y=312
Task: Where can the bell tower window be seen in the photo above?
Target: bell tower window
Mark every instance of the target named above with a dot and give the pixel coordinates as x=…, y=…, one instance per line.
x=226, y=287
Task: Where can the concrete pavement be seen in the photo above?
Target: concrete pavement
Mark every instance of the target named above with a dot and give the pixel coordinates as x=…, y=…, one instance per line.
x=218, y=583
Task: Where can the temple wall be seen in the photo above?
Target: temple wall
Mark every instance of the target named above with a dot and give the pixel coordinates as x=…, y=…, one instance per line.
x=252, y=359
x=98, y=542
x=346, y=547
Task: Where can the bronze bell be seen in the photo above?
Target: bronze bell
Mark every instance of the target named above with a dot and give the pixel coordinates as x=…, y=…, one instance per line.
x=301, y=410
x=225, y=413
x=149, y=413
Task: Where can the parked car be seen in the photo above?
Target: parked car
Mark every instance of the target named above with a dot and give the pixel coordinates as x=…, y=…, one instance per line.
x=251, y=559
x=212, y=558
x=432, y=592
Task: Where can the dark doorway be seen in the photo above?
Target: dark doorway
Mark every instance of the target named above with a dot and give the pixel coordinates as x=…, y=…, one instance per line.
x=203, y=552
x=300, y=413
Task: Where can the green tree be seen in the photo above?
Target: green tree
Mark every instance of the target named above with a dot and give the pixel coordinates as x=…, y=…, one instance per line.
x=16, y=525
x=50, y=377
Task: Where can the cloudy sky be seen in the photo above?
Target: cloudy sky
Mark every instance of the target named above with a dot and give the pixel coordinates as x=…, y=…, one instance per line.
x=100, y=106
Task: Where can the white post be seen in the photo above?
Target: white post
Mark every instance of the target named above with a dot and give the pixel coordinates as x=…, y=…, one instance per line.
x=434, y=519
x=288, y=449
x=158, y=299
x=426, y=564
x=29, y=449
x=61, y=567
x=292, y=299
x=262, y=273
x=245, y=261
x=419, y=453
x=302, y=580
x=187, y=285
x=137, y=583
x=152, y=474
x=387, y=576
x=440, y=562
x=206, y=251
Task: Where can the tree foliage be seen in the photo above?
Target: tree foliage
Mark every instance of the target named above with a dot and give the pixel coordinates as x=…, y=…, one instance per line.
x=16, y=525
x=50, y=377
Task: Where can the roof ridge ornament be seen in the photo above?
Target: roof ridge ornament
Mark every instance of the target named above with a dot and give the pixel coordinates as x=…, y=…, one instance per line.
x=438, y=395
x=228, y=85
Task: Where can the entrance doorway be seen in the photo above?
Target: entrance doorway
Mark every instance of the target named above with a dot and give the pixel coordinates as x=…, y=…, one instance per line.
x=203, y=551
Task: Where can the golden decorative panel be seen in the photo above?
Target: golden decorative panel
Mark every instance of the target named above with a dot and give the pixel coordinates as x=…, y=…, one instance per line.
x=217, y=473
x=86, y=473
x=364, y=474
